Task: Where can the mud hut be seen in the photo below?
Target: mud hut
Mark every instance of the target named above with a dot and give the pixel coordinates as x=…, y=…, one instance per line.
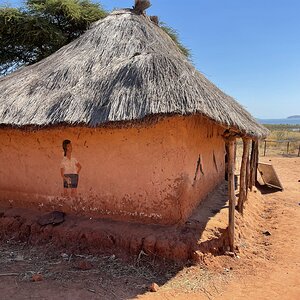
x=147, y=130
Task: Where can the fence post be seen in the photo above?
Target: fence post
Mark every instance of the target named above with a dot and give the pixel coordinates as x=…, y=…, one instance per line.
x=288, y=147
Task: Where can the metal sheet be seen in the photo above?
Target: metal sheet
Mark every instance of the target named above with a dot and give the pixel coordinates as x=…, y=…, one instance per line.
x=269, y=175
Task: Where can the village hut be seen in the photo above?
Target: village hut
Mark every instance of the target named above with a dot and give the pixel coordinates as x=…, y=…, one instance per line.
x=145, y=129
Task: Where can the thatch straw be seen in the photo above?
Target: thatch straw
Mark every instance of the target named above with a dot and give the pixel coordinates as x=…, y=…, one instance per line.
x=124, y=68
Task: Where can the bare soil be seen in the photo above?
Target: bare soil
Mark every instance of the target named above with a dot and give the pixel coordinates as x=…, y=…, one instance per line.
x=266, y=264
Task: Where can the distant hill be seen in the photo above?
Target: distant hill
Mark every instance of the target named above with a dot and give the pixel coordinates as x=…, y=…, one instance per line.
x=294, y=117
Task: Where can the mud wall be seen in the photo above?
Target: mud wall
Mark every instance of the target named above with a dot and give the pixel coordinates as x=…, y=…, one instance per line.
x=143, y=174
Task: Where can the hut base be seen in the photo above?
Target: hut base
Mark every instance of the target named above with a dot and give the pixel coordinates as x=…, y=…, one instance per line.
x=205, y=231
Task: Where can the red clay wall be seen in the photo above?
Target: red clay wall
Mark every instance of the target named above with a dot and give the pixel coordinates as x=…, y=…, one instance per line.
x=144, y=174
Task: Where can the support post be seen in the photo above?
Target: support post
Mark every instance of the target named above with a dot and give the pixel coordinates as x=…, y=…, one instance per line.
x=231, y=195
x=243, y=175
x=265, y=148
x=256, y=162
x=288, y=147
x=251, y=165
x=299, y=151
x=248, y=172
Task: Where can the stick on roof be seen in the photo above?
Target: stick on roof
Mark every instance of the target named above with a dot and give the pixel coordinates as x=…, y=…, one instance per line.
x=141, y=5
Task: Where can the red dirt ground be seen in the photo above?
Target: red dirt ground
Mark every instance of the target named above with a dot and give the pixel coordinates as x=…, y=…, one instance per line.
x=264, y=267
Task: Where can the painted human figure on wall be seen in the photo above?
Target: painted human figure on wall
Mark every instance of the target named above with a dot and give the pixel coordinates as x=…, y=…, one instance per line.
x=69, y=170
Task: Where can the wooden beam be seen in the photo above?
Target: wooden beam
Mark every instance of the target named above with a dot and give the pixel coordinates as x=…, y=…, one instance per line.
x=231, y=194
x=248, y=174
x=251, y=166
x=243, y=175
x=255, y=162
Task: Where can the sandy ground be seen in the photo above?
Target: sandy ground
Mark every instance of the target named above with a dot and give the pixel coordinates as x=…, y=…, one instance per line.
x=269, y=266
x=264, y=267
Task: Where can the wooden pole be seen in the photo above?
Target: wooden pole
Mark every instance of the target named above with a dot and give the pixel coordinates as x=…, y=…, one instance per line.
x=255, y=162
x=299, y=151
x=231, y=195
x=248, y=173
x=265, y=148
x=251, y=166
x=288, y=147
x=243, y=173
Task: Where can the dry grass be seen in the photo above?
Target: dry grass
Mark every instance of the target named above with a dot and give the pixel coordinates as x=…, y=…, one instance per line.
x=282, y=140
x=138, y=271
x=23, y=261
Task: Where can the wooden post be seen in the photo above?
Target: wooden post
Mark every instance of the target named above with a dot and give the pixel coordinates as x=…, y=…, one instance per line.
x=265, y=148
x=299, y=151
x=256, y=163
x=251, y=165
x=243, y=172
x=231, y=195
x=248, y=173
x=288, y=147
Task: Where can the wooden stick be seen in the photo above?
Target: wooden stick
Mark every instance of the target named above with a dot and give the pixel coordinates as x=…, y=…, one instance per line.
x=265, y=148
x=243, y=176
x=256, y=163
x=251, y=166
x=248, y=174
x=231, y=195
x=9, y=274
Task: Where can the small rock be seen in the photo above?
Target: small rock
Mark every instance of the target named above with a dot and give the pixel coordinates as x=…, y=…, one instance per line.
x=198, y=256
x=54, y=218
x=153, y=287
x=19, y=258
x=229, y=253
x=267, y=233
x=37, y=277
x=84, y=265
x=65, y=256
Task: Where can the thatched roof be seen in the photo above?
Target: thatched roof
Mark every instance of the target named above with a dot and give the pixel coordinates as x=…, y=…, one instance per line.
x=124, y=68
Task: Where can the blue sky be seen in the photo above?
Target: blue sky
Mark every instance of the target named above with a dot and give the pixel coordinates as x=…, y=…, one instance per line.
x=248, y=48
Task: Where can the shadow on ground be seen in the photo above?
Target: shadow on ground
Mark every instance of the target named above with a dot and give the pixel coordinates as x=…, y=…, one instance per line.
x=66, y=255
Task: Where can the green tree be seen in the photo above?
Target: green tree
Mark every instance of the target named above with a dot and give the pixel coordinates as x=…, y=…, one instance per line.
x=41, y=27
